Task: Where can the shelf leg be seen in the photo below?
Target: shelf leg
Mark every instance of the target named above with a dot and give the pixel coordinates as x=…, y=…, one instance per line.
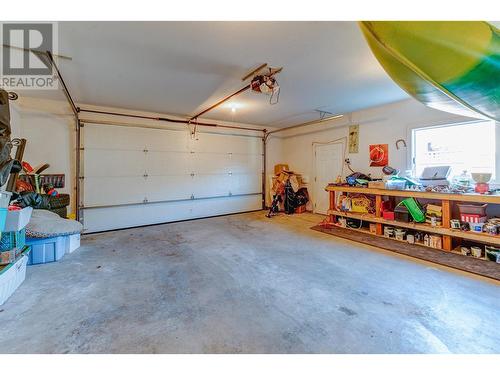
x=333, y=206
x=446, y=209
x=447, y=244
x=378, y=213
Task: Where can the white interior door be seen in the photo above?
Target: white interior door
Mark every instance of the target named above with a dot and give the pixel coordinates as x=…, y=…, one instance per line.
x=328, y=165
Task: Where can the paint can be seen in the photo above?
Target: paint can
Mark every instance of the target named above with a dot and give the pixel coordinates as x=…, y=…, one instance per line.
x=426, y=240
x=436, y=242
x=400, y=234
x=389, y=232
x=454, y=224
x=491, y=229
x=410, y=238
x=477, y=252
x=419, y=237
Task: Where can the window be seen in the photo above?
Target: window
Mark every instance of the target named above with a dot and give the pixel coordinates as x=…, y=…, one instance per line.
x=466, y=146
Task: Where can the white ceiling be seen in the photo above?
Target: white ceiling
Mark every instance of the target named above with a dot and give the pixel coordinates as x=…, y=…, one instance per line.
x=183, y=67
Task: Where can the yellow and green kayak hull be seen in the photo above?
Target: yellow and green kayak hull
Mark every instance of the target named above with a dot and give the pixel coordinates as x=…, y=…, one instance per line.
x=451, y=66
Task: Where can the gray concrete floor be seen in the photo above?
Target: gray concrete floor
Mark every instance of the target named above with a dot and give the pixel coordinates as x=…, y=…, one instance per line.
x=246, y=284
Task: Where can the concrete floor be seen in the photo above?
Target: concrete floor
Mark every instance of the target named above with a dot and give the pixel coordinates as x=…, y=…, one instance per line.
x=246, y=284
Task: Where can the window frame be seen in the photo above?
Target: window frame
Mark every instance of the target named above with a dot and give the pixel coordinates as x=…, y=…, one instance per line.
x=412, y=149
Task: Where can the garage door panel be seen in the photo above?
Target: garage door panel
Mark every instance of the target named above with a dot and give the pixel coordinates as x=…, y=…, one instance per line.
x=209, y=143
x=245, y=163
x=168, y=163
x=105, y=191
x=206, y=186
x=161, y=140
x=229, y=143
x=223, y=206
x=99, y=219
x=164, y=188
x=99, y=162
x=246, y=183
x=211, y=163
x=114, y=137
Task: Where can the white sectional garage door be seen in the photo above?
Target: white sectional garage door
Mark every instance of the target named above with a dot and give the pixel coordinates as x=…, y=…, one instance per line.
x=140, y=176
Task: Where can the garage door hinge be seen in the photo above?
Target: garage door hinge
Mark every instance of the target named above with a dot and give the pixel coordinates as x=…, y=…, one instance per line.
x=192, y=196
x=145, y=175
x=145, y=200
x=192, y=174
x=145, y=150
x=81, y=177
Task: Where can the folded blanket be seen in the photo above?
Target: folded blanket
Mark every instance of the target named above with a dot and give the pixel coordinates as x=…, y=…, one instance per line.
x=45, y=224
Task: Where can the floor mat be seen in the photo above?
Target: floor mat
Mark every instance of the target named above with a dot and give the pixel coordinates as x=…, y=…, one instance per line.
x=457, y=261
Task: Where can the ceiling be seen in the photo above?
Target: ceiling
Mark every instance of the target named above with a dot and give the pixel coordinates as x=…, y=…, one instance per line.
x=183, y=67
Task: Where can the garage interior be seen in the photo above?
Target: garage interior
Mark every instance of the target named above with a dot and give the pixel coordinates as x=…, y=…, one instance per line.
x=188, y=188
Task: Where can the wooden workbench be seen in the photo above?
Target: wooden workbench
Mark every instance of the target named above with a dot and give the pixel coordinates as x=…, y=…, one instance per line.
x=445, y=199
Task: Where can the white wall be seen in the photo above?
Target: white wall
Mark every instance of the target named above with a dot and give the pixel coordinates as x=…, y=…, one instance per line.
x=48, y=127
x=383, y=124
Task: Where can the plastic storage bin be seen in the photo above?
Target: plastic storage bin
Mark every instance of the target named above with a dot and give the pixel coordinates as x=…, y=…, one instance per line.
x=46, y=250
x=395, y=184
x=401, y=214
x=4, y=204
x=72, y=242
x=17, y=220
x=12, y=276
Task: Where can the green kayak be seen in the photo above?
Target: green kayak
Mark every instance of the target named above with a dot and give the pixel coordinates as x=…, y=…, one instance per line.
x=447, y=65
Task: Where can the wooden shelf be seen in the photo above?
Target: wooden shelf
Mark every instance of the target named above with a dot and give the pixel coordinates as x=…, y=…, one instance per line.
x=478, y=237
x=478, y=198
x=363, y=230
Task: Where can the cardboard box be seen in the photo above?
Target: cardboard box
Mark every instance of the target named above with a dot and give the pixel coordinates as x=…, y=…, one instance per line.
x=376, y=184
x=280, y=167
